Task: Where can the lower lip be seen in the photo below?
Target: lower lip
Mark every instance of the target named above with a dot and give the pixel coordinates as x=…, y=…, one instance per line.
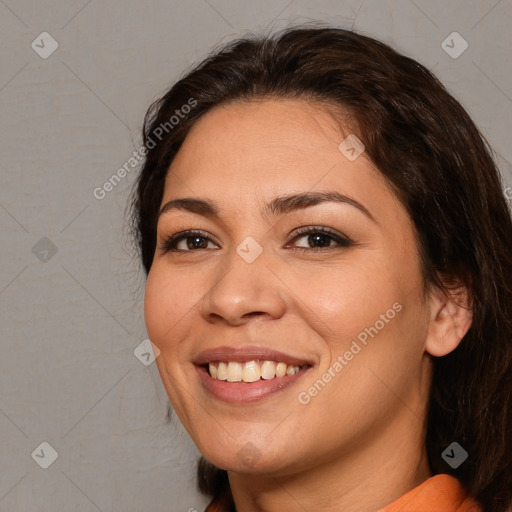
x=246, y=392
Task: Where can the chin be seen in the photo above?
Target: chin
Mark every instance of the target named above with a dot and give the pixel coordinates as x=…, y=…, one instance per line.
x=252, y=458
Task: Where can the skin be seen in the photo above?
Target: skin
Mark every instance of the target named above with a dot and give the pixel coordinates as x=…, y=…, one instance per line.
x=358, y=445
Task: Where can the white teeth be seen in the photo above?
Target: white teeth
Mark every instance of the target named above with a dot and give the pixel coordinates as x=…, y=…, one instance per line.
x=222, y=371
x=234, y=371
x=268, y=370
x=280, y=370
x=291, y=370
x=250, y=371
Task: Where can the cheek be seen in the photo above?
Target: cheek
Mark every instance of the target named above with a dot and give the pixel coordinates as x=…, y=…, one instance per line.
x=162, y=309
x=374, y=369
x=153, y=307
x=172, y=302
x=370, y=315
x=348, y=299
x=162, y=313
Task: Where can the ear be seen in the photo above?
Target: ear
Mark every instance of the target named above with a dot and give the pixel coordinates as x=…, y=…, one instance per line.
x=450, y=319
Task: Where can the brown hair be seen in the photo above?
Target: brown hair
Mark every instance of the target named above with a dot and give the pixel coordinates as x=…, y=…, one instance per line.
x=441, y=168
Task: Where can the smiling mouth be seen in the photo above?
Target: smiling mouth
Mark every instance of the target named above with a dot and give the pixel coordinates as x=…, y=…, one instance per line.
x=249, y=374
x=251, y=371
x=230, y=387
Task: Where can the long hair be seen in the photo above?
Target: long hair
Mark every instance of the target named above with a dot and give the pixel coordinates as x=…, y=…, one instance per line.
x=441, y=169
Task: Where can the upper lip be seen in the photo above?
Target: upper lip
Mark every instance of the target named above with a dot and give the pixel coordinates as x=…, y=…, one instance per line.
x=248, y=353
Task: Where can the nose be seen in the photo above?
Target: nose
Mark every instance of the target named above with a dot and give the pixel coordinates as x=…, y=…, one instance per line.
x=243, y=291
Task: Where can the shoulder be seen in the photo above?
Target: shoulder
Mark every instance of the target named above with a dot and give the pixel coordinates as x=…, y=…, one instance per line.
x=440, y=493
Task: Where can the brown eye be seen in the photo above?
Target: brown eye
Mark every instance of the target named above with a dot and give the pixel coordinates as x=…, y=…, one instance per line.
x=187, y=241
x=320, y=238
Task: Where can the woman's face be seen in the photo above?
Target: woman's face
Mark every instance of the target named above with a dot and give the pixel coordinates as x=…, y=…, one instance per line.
x=343, y=302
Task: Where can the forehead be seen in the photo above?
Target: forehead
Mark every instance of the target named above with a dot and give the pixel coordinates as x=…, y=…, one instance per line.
x=262, y=148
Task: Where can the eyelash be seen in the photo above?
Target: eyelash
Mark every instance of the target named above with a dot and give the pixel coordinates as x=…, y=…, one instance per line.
x=170, y=242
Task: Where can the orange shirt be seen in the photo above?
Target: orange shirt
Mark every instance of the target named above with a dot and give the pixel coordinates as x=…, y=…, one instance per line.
x=440, y=493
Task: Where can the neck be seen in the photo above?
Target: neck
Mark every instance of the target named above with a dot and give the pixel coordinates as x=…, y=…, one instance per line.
x=374, y=473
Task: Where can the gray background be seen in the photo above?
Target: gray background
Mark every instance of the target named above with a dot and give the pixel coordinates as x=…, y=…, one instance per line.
x=71, y=319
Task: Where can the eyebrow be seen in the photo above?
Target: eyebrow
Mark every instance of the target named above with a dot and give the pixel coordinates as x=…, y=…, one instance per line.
x=278, y=206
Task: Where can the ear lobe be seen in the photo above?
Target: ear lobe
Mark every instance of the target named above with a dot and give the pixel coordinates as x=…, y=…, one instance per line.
x=449, y=323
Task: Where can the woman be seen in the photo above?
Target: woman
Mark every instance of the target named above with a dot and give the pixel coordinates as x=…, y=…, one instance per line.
x=329, y=279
